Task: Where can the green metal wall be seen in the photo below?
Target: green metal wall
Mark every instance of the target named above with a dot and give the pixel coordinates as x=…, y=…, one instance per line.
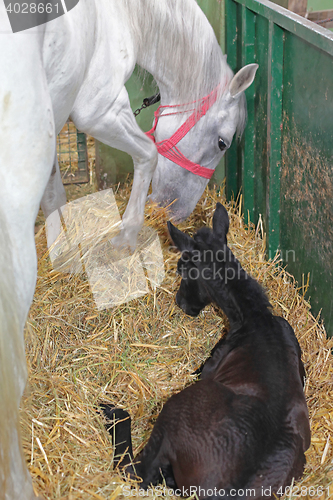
x=284, y=164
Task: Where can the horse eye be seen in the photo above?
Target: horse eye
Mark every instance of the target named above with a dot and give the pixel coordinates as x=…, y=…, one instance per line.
x=222, y=144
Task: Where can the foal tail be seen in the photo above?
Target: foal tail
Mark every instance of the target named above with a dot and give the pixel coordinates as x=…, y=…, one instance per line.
x=12, y=369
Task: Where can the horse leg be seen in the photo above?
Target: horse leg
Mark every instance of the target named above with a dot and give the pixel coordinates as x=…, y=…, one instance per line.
x=54, y=198
x=117, y=128
x=26, y=155
x=18, y=277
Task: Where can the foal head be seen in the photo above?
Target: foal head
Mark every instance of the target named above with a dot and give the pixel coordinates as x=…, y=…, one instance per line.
x=211, y=273
x=202, y=258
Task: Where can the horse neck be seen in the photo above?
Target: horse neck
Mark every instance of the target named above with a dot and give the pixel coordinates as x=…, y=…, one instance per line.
x=237, y=294
x=177, y=45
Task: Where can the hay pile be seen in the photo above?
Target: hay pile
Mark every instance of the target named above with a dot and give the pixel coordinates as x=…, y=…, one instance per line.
x=137, y=355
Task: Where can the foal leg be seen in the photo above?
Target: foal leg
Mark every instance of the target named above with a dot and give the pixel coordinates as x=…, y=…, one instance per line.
x=27, y=139
x=152, y=464
x=285, y=462
x=119, y=426
x=149, y=465
x=117, y=127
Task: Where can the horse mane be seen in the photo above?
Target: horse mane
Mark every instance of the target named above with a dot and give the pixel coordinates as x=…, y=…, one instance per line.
x=169, y=32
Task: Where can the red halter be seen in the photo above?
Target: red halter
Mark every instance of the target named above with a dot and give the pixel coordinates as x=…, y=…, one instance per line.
x=168, y=147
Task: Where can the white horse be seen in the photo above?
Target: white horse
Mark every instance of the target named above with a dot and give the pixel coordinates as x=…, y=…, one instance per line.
x=76, y=65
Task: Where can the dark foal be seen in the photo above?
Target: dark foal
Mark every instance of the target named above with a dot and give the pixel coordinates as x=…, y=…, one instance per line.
x=240, y=431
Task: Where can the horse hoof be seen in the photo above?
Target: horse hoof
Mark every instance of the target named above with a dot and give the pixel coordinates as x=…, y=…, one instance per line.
x=125, y=240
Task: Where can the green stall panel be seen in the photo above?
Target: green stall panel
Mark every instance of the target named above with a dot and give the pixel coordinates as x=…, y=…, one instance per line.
x=284, y=163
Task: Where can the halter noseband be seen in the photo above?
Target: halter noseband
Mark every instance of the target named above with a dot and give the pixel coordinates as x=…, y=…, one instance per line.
x=168, y=147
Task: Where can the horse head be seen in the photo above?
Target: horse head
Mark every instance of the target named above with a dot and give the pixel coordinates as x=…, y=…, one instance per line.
x=189, y=157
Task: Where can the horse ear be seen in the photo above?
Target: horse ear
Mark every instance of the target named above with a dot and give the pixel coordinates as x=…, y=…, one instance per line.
x=180, y=239
x=242, y=79
x=221, y=222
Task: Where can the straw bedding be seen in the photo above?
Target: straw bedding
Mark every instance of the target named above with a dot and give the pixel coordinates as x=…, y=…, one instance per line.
x=137, y=355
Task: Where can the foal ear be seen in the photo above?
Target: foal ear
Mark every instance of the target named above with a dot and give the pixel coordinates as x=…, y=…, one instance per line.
x=221, y=222
x=180, y=239
x=242, y=79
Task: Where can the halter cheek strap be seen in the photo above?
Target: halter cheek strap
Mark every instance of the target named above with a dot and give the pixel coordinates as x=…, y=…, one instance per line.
x=168, y=147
